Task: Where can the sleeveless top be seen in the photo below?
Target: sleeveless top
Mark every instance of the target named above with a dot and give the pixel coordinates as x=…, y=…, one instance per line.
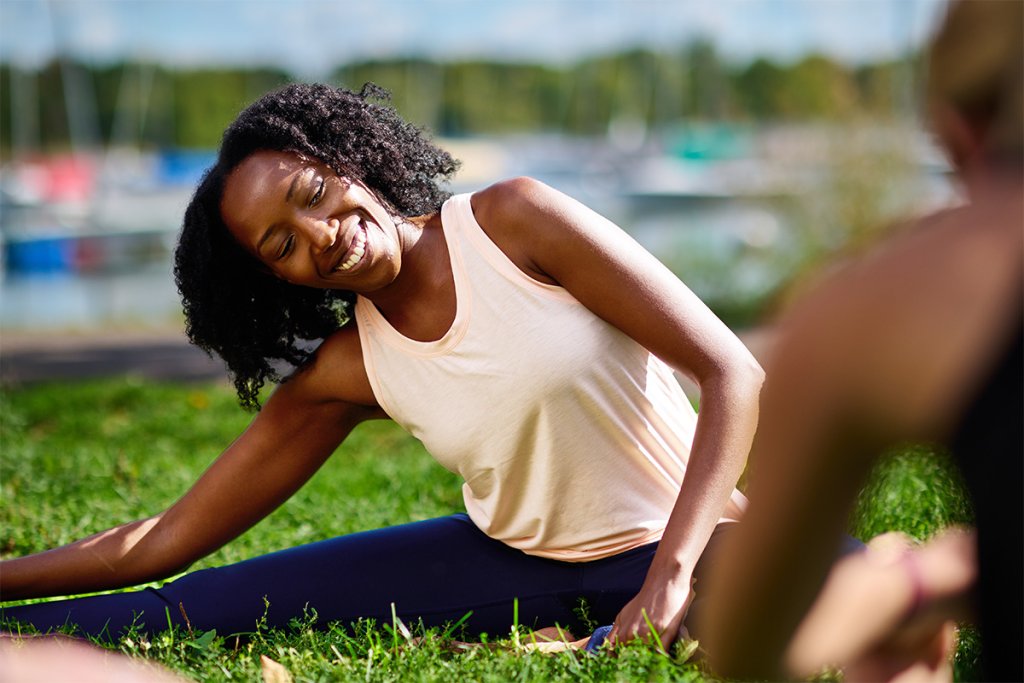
x=572, y=439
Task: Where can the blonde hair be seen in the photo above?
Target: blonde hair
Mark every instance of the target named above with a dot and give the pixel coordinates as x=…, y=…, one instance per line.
x=976, y=65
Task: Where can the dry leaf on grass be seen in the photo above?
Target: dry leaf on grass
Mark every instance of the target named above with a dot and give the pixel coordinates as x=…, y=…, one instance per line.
x=274, y=672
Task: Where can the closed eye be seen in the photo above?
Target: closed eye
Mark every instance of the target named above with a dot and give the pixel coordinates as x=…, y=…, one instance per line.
x=319, y=194
x=286, y=248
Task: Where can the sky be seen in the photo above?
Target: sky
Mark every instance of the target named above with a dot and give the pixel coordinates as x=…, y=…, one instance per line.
x=311, y=37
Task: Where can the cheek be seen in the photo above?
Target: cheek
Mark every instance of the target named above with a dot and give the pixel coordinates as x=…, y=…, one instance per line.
x=288, y=272
x=300, y=270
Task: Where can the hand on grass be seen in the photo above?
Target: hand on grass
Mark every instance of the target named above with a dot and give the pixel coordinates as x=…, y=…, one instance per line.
x=660, y=605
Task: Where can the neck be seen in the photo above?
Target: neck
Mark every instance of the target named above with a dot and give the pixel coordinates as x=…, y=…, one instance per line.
x=425, y=273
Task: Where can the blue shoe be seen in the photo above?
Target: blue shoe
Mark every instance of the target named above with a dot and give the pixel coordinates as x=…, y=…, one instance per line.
x=597, y=638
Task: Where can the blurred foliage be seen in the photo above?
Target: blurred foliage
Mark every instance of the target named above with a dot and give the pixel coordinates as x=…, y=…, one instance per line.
x=861, y=192
x=149, y=105
x=133, y=104
x=914, y=488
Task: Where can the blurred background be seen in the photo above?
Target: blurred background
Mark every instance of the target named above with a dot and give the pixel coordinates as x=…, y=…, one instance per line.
x=742, y=141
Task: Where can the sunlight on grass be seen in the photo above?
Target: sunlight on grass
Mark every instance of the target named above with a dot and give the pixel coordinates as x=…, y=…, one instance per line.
x=79, y=458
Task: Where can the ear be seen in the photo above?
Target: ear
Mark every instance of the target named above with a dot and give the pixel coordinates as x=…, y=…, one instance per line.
x=963, y=142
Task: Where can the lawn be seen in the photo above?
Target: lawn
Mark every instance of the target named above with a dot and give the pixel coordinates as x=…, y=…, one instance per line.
x=78, y=458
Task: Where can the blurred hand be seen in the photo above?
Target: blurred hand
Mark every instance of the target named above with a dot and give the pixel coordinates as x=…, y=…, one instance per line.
x=884, y=609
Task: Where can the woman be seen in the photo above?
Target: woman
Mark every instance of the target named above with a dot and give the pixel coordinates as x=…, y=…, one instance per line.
x=528, y=342
x=921, y=340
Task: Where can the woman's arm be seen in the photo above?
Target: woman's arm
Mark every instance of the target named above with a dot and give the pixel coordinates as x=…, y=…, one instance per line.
x=297, y=430
x=885, y=350
x=558, y=240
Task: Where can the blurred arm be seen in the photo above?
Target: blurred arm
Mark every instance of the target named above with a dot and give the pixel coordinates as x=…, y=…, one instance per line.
x=887, y=350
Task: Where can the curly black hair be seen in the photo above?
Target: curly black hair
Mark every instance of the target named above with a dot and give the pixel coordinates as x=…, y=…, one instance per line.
x=233, y=308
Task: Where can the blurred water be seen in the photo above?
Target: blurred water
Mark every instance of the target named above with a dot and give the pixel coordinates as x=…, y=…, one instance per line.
x=145, y=297
x=720, y=227
x=698, y=242
x=723, y=249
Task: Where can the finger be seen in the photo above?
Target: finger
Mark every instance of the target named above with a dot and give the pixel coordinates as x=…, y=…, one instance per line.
x=676, y=629
x=624, y=634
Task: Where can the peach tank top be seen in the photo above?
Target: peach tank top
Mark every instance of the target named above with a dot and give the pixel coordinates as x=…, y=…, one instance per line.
x=572, y=439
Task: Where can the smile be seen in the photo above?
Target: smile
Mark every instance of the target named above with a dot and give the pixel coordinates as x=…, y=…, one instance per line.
x=355, y=252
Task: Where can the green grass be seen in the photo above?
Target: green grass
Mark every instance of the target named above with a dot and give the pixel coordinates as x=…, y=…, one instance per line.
x=78, y=458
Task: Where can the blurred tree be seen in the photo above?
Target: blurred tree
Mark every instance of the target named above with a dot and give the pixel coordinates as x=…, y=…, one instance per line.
x=206, y=101
x=709, y=87
x=53, y=114
x=148, y=105
x=760, y=87
x=817, y=88
x=886, y=89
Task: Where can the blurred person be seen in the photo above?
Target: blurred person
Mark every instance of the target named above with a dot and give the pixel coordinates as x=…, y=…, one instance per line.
x=919, y=340
x=55, y=660
x=529, y=343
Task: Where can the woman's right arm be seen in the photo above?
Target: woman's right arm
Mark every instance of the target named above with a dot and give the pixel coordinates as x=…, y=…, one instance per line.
x=299, y=427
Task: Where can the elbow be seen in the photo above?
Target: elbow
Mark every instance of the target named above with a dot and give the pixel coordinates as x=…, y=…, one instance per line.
x=743, y=362
x=733, y=386
x=741, y=377
x=750, y=372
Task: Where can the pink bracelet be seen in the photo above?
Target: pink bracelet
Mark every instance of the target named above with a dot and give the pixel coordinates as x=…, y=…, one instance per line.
x=913, y=572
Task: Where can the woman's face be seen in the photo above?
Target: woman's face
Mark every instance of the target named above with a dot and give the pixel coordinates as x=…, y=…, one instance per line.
x=308, y=225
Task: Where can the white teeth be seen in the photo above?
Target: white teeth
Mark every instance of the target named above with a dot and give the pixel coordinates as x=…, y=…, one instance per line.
x=357, y=252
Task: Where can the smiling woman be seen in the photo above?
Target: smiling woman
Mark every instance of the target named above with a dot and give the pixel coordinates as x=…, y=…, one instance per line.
x=311, y=227
x=253, y=323
x=529, y=343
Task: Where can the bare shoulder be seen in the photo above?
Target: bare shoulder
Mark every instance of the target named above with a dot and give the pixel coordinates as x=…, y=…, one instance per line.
x=527, y=205
x=931, y=269
x=509, y=201
x=517, y=215
x=336, y=373
x=903, y=330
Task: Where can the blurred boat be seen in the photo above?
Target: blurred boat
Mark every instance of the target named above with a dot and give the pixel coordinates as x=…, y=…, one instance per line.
x=85, y=214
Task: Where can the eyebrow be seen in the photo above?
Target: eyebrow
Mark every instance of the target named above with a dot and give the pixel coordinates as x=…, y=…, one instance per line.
x=287, y=198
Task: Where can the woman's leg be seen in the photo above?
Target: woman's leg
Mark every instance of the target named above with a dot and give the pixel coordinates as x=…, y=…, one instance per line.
x=436, y=570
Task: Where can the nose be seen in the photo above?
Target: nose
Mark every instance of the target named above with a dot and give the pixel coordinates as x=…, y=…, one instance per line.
x=321, y=233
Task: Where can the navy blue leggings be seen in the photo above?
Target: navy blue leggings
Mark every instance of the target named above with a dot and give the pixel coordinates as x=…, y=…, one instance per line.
x=436, y=571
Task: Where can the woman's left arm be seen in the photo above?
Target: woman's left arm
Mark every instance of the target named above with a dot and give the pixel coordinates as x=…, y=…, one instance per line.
x=558, y=240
